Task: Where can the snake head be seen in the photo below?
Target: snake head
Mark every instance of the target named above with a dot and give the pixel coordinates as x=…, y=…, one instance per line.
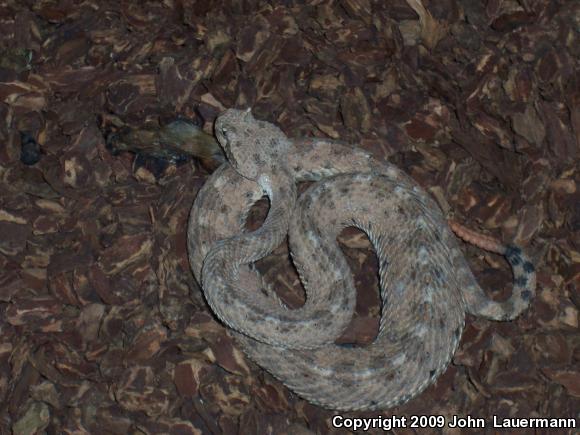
x=252, y=147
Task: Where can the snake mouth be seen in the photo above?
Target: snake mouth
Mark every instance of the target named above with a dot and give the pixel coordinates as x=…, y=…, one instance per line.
x=229, y=154
x=224, y=143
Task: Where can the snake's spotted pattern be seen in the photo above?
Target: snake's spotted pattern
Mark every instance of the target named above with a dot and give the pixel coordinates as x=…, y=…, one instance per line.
x=426, y=285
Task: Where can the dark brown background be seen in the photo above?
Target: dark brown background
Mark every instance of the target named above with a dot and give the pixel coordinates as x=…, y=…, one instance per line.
x=103, y=328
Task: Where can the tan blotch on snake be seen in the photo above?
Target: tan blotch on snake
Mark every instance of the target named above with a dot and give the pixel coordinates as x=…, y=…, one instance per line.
x=426, y=285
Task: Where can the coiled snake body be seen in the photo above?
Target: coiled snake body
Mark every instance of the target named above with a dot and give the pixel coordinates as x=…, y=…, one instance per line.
x=425, y=283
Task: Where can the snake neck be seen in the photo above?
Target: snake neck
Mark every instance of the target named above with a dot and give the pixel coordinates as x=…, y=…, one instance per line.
x=228, y=255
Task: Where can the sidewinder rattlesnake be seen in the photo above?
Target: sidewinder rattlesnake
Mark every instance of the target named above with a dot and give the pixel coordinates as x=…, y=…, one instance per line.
x=426, y=285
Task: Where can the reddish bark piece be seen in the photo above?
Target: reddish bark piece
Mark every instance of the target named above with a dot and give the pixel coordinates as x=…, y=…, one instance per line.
x=570, y=379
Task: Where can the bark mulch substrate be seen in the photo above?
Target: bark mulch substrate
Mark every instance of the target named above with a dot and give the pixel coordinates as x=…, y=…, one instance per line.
x=103, y=328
